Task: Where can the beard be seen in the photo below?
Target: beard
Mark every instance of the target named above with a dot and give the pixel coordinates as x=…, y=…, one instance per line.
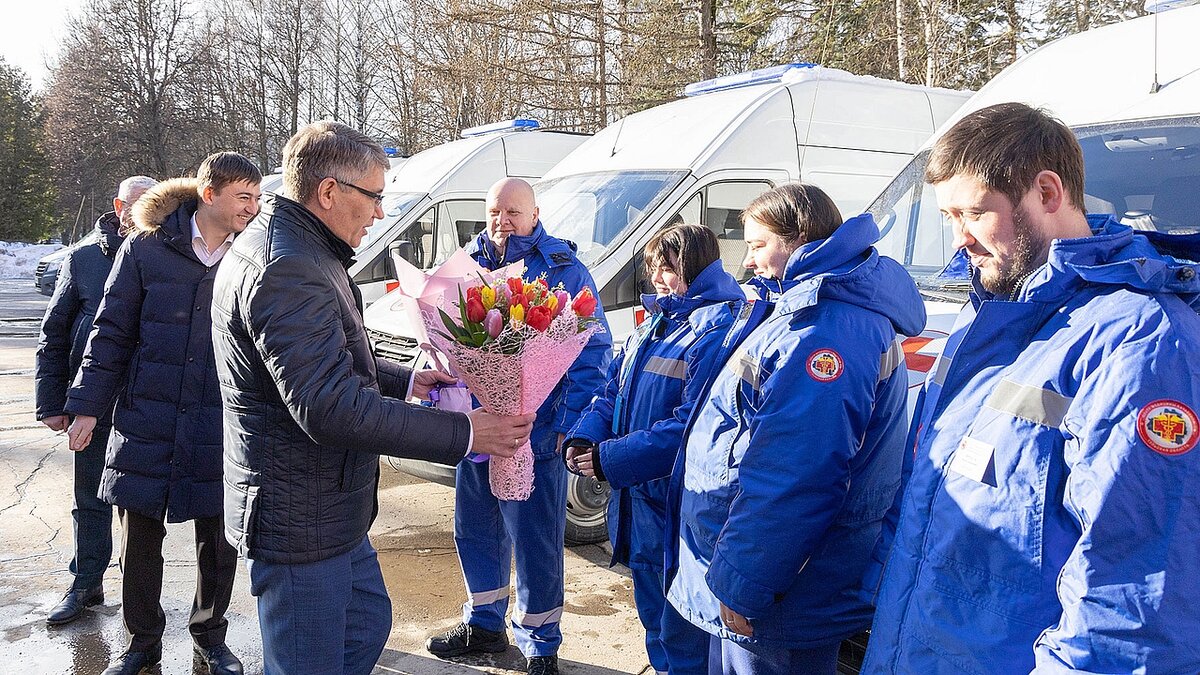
x=1027, y=254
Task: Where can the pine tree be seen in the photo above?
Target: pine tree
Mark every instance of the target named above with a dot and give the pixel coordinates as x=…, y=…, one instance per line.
x=26, y=194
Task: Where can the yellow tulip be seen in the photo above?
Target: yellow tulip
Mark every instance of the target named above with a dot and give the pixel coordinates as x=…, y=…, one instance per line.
x=488, y=295
x=516, y=313
x=551, y=301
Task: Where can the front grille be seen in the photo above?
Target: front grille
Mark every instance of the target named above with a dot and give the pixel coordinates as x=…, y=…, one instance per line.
x=394, y=347
x=37, y=275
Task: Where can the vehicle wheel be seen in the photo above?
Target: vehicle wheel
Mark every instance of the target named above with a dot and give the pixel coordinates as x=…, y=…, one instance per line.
x=587, y=502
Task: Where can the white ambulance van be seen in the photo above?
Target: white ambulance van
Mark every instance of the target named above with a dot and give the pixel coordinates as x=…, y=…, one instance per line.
x=703, y=158
x=433, y=201
x=1130, y=92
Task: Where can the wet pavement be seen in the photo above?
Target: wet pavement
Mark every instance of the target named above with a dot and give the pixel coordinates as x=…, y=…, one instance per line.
x=413, y=535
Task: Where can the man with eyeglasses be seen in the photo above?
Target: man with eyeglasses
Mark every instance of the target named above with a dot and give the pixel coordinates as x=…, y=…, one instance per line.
x=308, y=409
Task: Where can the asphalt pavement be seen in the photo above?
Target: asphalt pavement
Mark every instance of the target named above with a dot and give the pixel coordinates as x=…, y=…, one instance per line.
x=413, y=533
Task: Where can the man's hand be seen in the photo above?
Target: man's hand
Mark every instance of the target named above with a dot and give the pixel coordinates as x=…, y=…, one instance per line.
x=736, y=622
x=80, y=433
x=425, y=380
x=499, y=435
x=56, y=422
x=579, y=460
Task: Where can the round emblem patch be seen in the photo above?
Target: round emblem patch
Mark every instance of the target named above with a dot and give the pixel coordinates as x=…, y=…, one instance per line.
x=1168, y=427
x=825, y=365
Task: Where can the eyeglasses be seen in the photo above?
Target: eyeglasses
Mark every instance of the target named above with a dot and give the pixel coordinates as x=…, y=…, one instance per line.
x=377, y=197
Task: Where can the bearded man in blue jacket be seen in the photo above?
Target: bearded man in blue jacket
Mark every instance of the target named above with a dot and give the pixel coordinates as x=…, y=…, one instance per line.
x=488, y=531
x=1049, y=517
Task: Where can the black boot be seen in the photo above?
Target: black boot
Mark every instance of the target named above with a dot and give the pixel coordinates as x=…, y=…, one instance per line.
x=467, y=639
x=132, y=663
x=219, y=660
x=543, y=665
x=73, y=604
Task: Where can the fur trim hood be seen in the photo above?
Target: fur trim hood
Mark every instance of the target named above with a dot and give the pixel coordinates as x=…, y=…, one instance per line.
x=160, y=201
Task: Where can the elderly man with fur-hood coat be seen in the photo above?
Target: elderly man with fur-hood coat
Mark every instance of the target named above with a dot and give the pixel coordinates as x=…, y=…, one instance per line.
x=150, y=353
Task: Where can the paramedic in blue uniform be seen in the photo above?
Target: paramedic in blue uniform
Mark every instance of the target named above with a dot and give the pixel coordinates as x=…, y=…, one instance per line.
x=488, y=532
x=631, y=434
x=793, y=458
x=1050, y=512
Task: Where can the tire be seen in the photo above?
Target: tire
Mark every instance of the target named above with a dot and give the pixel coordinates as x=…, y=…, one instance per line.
x=587, y=505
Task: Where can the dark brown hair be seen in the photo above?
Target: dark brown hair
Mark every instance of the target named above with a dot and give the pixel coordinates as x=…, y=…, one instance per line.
x=687, y=249
x=1005, y=146
x=222, y=168
x=795, y=211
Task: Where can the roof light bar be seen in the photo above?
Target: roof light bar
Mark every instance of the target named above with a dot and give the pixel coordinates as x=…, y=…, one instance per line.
x=746, y=79
x=519, y=124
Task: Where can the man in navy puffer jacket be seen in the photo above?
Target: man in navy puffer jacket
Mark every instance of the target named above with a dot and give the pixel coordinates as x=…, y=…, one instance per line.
x=65, y=329
x=151, y=352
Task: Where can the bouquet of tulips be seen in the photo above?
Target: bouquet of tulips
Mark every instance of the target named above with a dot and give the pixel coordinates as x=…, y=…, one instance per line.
x=512, y=341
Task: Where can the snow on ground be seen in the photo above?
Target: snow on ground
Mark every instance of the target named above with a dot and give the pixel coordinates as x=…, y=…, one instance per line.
x=20, y=260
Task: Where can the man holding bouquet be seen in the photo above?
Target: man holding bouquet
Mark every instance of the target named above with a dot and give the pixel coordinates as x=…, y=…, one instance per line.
x=488, y=531
x=308, y=409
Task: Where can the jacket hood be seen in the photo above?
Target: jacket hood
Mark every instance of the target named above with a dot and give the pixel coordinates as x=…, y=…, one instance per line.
x=1117, y=256
x=108, y=231
x=556, y=251
x=712, y=286
x=151, y=210
x=845, y=267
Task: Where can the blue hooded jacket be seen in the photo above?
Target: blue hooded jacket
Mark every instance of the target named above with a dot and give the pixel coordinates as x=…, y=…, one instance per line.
x=544, y=254
x=638, y=419
x=792, y=461
x=1050, y=515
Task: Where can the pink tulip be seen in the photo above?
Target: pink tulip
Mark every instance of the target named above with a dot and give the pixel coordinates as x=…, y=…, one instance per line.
x=563, y=299
x=493, y=323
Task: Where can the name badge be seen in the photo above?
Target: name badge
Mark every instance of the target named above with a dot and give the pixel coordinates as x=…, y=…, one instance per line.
x=975, y=459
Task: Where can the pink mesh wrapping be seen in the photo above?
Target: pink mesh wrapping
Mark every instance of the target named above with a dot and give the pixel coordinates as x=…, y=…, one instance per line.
x=512, y=384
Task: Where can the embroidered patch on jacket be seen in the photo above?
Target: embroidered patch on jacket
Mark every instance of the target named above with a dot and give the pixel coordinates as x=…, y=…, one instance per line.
x=825, y=365
x=1168, y=427
x=560, y=258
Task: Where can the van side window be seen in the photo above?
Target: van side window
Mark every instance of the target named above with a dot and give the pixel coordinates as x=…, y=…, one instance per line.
x=437, y=233
x=717, y=206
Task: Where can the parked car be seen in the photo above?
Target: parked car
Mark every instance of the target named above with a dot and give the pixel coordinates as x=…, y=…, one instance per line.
x=45, y=275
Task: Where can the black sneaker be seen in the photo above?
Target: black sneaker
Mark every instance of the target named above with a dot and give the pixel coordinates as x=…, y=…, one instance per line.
x=467, y=639
x=543, y=665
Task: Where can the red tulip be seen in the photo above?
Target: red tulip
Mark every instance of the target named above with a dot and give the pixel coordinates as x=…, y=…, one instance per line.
x=519, y=299
x=515, y=286
x=538, y=317
x=475, y=310
x=473, y=293
x=584, y=303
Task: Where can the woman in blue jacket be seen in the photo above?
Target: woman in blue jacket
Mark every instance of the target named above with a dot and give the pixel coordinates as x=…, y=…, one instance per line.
x=793, y=457
x=631, y=434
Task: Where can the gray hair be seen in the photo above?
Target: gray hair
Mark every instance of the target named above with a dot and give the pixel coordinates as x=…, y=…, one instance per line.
x=134, y=185
x=323, y=150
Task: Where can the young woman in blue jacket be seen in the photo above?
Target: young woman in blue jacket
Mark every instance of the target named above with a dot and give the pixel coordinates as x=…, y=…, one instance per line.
x=792, y=459
x=630, y=435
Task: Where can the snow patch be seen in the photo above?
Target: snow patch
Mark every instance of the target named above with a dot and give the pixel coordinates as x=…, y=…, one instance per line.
x=18, y=259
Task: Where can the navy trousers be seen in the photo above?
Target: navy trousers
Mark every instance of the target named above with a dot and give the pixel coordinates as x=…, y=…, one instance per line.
x=327, y=617
x=487, y=533
x=726, y=657
x=91, y=518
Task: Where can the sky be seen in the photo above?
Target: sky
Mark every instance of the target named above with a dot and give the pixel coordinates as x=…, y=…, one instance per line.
x=30, y=31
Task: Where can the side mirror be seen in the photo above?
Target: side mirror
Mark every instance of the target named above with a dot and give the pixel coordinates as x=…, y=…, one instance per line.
x=401, y=249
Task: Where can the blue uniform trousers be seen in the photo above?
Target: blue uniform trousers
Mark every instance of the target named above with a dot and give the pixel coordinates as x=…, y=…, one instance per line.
x=683, y=644
x=328, y=617
x=91, y=517
x=726, y=657
x=488, y=531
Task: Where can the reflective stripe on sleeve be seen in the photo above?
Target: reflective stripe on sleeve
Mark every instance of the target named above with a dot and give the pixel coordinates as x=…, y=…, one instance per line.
x=891, y=360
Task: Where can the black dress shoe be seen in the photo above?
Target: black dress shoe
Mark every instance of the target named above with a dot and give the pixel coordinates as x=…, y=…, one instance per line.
x=219, y=659
x=132, y=663
x=543, y=665
x=73, y=603
x=467, y=639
